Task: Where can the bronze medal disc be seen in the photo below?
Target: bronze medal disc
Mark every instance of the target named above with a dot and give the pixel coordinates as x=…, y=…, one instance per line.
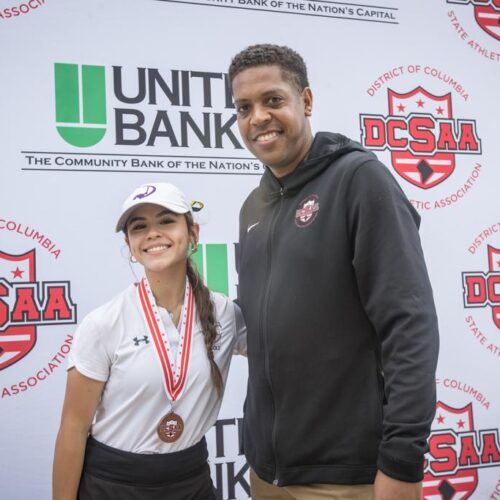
x=170, y=427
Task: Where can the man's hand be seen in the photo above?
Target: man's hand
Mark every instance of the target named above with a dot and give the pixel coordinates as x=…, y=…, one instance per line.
x=387, y=488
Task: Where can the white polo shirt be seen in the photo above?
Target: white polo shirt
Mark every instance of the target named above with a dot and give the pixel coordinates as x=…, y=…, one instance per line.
x=113, y=345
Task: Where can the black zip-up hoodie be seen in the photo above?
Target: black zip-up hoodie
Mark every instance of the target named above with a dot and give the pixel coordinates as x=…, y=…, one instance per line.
x=342, y=330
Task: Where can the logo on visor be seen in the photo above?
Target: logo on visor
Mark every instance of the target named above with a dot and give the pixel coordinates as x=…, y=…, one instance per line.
x=149, y=191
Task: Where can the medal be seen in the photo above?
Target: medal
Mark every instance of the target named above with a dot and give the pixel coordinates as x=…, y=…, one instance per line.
x=171, y=425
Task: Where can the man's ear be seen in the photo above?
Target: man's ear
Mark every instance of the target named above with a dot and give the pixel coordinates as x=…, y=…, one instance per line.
x=307, y=98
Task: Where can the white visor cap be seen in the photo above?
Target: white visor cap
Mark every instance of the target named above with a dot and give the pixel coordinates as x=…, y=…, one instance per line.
x=160, y=193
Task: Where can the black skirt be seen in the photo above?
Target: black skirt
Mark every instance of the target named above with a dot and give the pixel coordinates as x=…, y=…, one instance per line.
x=112, y=474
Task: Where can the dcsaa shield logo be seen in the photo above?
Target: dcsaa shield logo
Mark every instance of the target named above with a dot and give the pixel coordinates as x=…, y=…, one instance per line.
x=447, y=476
x=422, y=170
x=486, y=13
x=26, y=303
x=15, y=340
x=422, y=136
x=483, y=289
x=488, y=18
x=457, y=451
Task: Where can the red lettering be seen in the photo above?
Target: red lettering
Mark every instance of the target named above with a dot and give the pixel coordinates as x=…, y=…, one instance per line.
x=4, y=308
x=446, y=140
x=491, y=453
x=476, y=289
x=441, y=450
x=421, y=134
x=25, y=307
x=374, y=132
x=57, y=305
x=421, y=129
x=468, y=452
x=494, y=289
x=468, y=141
x=392, y=125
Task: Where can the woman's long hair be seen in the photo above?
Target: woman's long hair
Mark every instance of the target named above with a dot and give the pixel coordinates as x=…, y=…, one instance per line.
x=206, y=315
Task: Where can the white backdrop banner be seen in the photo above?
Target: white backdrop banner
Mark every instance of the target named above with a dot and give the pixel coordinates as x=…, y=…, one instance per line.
x=99, y=96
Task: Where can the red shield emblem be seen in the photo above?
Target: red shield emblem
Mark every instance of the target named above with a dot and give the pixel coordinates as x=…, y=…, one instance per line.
x=462, y=483
x=15, y=341
x=488, y=18
x=422, y=170
x=494, y=282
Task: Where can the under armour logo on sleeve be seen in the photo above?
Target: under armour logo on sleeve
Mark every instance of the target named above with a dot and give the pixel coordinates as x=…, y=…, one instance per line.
x=138, y=340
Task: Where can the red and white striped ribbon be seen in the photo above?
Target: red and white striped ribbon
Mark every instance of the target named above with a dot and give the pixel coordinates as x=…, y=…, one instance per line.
x=174, y=378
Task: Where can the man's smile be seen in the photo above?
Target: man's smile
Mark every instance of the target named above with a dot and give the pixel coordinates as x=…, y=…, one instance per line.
x=267, y=136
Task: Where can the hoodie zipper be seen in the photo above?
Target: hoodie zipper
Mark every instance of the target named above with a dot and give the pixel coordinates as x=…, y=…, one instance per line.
x=264, y=322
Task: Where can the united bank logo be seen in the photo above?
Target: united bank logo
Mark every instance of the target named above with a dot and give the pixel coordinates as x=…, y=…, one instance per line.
x=486, y=13
x=80, y=98
x=482, y=289
x=422, y=136
x=169, y=107
x=26, y=303
x=457, y=450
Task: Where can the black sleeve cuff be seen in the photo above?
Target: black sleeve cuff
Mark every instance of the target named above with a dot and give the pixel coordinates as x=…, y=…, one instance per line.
x=410, y=472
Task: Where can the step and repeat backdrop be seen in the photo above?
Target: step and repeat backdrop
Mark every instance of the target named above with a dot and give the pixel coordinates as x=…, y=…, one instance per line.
x=99, y=96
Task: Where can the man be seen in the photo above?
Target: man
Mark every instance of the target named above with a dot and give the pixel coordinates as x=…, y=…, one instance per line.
x=342, y=330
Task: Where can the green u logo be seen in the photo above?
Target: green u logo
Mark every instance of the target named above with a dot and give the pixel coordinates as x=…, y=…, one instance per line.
x=80, y=103
x=211, y=262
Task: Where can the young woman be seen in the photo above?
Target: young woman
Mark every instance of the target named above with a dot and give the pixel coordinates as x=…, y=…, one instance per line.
x=147, y=370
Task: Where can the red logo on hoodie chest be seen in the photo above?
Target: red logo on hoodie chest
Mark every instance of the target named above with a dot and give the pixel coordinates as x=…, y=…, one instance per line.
x=307, y=211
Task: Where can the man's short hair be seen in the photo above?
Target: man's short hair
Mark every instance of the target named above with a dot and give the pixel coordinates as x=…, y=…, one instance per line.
x=292, y=65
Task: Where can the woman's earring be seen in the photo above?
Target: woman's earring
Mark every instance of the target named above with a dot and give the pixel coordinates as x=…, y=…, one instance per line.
x=193, y=248
x=132, y=259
